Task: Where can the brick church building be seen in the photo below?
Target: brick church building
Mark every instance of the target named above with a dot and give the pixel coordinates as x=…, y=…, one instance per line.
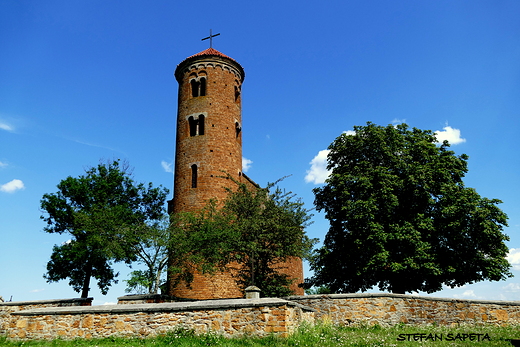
x=208, y=142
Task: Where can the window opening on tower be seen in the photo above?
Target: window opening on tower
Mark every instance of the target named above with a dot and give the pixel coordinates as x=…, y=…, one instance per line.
x=196, y=125
x=195, y=85
x=237, y=93
x=194, y=176
x=201, y=124
x=193, y=126
x=202, y=86
x=238, y=129
x=198, y=84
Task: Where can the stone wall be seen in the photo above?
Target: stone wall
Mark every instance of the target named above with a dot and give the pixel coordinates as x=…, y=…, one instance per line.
x=390, y=309
x=258, y=317
x=232, y=317
x=7, y=309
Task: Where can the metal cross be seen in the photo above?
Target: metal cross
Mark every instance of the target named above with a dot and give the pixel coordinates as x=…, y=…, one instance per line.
x=210, y=37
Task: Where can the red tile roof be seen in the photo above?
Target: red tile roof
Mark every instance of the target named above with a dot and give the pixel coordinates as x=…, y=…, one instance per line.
x=211, y=52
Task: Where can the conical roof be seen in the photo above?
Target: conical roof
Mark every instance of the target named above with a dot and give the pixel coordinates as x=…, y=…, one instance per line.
x=210, y=52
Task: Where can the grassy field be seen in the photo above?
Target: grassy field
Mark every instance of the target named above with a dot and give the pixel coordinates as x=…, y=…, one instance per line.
x=319, y=335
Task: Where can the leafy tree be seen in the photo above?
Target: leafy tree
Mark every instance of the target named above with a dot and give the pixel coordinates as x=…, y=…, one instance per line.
x=256, y=230
x=152, y=252
x=200, y=241
x=270, y=228
x=401, y=217
x=94, y=209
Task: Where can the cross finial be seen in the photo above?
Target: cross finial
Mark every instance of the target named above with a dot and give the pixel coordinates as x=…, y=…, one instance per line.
x=210, y=37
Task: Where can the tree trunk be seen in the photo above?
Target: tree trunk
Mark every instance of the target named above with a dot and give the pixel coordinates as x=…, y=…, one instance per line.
x=86, y=280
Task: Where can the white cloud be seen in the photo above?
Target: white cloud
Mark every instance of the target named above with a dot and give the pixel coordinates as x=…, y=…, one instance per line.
x=5, y=126
x=168, y=167
x=450, y=134
x=349, y=132
x=512, y=287
x=513, y=257
x=246, y=164
x=37, y=290
x=2, y=164
x=467, y=294
x=11, y=187
x=318, y=172
x=398, y=121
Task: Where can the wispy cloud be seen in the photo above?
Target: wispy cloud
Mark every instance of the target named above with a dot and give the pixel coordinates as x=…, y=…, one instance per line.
x=450, y=134
x=37, y=290
x=168, y=167
x=5, y=126
x=318, y=172
x=512, y=287
x=98, y=146
x=13, y=186
x=246, y=164
x=2, y=164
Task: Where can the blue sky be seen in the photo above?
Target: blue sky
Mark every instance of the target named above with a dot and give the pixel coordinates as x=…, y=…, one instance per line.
x=82, y=81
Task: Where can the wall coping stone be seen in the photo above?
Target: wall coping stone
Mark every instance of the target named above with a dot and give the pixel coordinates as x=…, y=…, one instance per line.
x=135, y=297
x=391, y=295
x=162, y=307
x=86, y=301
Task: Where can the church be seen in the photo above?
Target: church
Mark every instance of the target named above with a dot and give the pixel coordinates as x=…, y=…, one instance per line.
x=208, y=142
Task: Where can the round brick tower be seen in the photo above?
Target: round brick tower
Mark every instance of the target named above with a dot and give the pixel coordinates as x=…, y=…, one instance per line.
x=209, y=146
x=209, y=129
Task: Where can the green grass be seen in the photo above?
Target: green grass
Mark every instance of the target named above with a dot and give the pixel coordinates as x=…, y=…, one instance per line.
x=323, y=335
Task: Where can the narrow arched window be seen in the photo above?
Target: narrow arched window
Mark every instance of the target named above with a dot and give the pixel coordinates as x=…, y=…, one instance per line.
x=202, y=87
x=237, y=93
x=201, y=124
x=238, y=129
x=195, y=85
x=194, y=176
x=193, y=126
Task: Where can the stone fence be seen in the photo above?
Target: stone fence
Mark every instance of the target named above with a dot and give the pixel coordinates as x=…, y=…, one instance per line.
x=391, y=309
x=142, y=316
x=234, y=317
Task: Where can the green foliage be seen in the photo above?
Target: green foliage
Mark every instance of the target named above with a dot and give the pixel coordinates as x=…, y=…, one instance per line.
x=95, y=209
x=151, y=251
x=256, y=229
x=270, y=229
x=401, y=218
x=199, y=241
x=318, y=290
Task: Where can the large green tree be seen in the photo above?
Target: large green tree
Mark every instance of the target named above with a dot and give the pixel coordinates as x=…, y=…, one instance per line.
x=96, y=209
x=270, y=227
x=401, y=217
x=152, y=253
x=256, y=229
